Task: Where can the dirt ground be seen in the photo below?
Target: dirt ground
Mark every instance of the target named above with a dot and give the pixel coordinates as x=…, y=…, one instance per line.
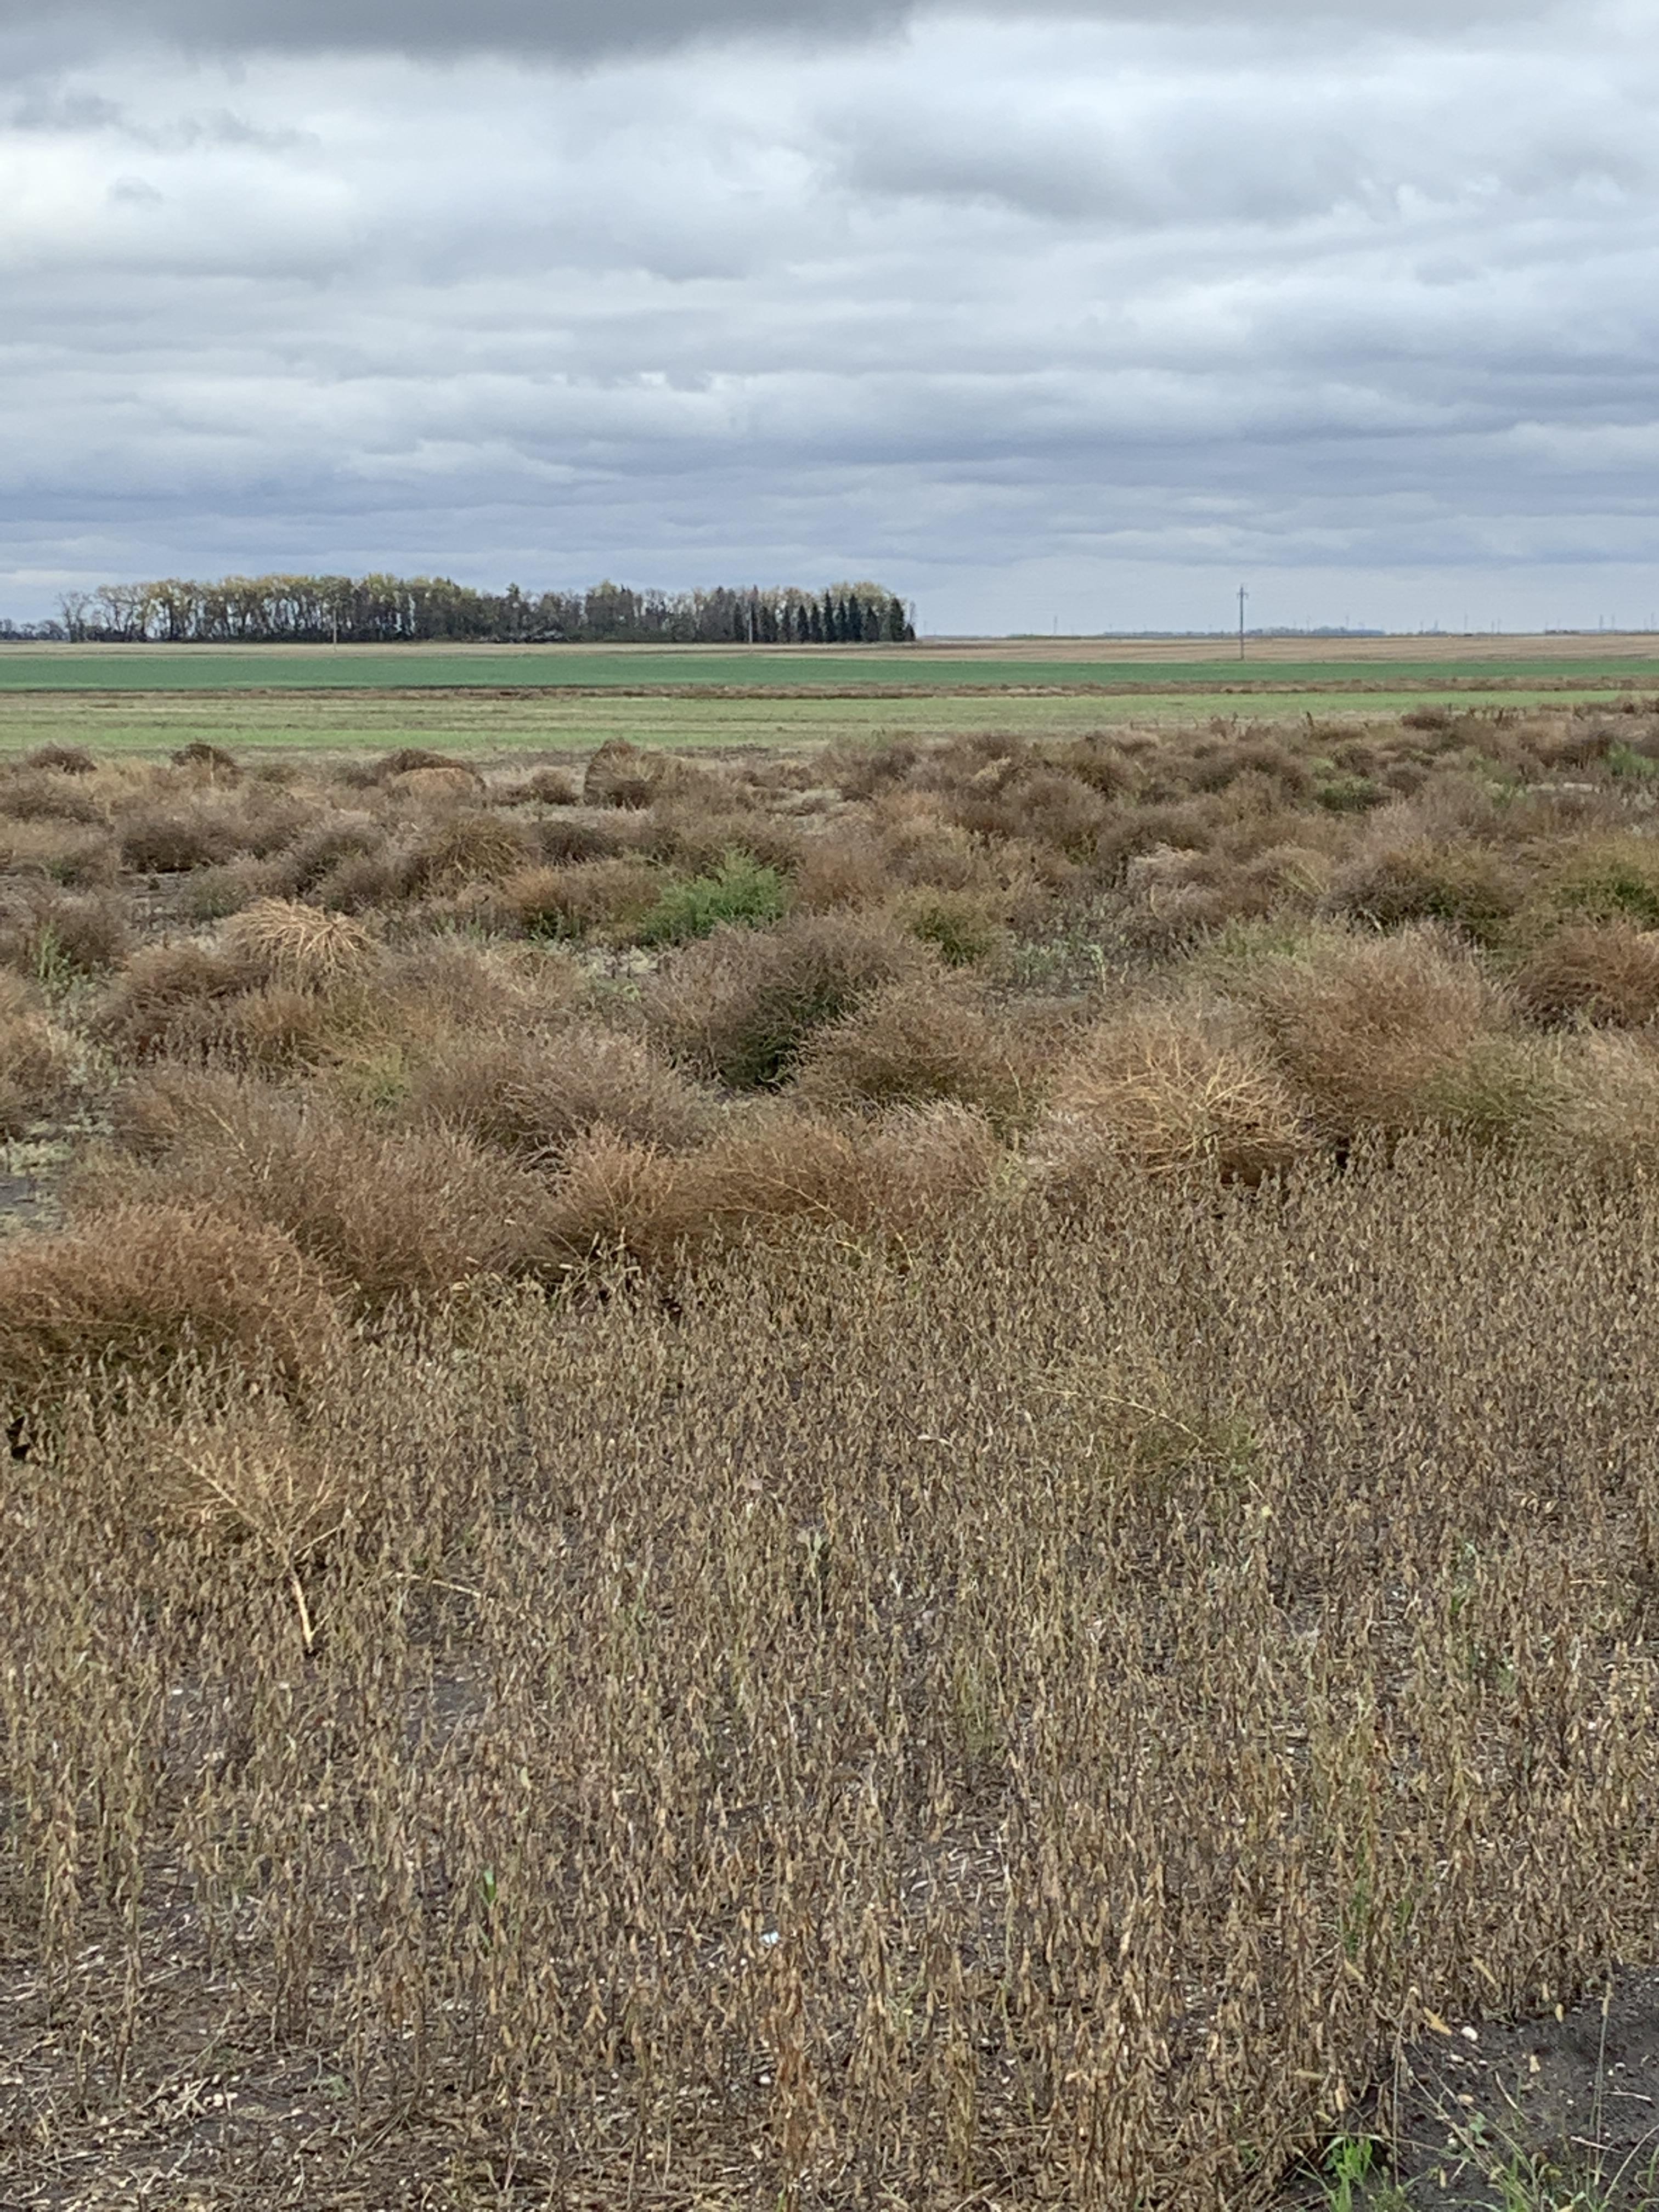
x=1557, y=2113
x=1551, y=2114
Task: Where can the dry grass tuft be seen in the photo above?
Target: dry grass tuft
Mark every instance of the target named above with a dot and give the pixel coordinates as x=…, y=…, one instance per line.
x=965, y=929
x=918, y=1039
x=919, y=1168
x=61, y=760
x=225, y=1004
x=621, y=774
x=848, y=869
x=1472, y=887
x=1175, y=1089
x=1596, y=972
x=561, y=839
x=740, y=1005
x=1608, y=879
x=301, y=947
x=587, y=896
x=534, y=1096
x=62, y=852
x=160, y=999
x=37, y=1061
x=615, y=1197
x=169, y=836
x=780, y=1173
x=467, y=847
x=45, y=795
x=255, y=1487
x=385, y=1216
x=58, y=936
x=550, y=786
x=1364, y=1028
x=437, y=786
x=1038, y=805
x=207, y=763
x=1606, y=1114
x=139, y=1287
x=310, y=860
x=414, y=760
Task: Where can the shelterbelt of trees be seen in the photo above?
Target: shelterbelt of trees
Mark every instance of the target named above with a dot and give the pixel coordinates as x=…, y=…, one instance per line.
x=382, y=609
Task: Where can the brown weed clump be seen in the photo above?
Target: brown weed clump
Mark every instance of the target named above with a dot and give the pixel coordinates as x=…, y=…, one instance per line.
x=546, y=786
x=965, y=929
x=314, y=857
x=584, y=897
x=440, y=989
x=918, y=1168
x=61, y=760
x=303, y=948
x=1472, y=887
x=1605, y=1116
x=413, y=760
x=168, y=837
x=256, y=1489
x=182, y=998
x=47, y=795
x=1363, y=1028
x=695, y=836
x=37, y=1067
x=474, y=846
x=563, y=838
x=533, y=1096
x=1175, y=1089
x=1593, y=972
x=62, y=852
x=918, y=1040
x=54, y=935
x=384, y=1215
x=740, y=1005
x=780, y=1173
x=207, y=763
x=436, y=787
x=139, y=1287
x=620, y=774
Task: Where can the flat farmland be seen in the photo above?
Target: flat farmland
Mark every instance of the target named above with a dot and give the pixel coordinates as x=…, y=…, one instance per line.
x=487, y=699
x=916, y=1476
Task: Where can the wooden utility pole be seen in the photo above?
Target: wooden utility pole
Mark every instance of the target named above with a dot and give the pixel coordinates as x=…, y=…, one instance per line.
x=1243, y=596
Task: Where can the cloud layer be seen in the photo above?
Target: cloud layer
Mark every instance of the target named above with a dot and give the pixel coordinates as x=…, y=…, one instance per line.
x=1038, y=315
x=580, y=28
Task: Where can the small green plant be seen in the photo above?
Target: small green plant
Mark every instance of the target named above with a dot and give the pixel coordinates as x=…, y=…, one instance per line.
x=1349, y=794
x=1617, y=880
x=1350, y=2161
x=1625, y=761
x=56, y=970
x=742, y=890
x=958, y=926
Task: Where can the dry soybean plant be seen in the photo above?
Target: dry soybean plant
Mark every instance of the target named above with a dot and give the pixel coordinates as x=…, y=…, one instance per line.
x=1039, y=1720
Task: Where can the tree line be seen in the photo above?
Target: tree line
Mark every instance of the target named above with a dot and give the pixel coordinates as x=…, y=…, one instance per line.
x=417, y=609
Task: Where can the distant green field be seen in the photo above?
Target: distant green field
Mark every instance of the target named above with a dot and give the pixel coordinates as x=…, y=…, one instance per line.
x=158, y=668
x=483, y=723
x=568, y=700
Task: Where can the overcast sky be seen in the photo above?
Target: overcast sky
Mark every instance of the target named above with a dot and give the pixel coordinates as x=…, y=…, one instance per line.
x=1075, y=313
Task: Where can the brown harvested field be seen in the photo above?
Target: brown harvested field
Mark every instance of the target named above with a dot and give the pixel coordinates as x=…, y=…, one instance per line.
x=918, y=1475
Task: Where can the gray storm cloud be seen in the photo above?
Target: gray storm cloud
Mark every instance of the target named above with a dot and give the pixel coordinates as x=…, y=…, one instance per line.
x=1035, y=313
x=589, y=27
